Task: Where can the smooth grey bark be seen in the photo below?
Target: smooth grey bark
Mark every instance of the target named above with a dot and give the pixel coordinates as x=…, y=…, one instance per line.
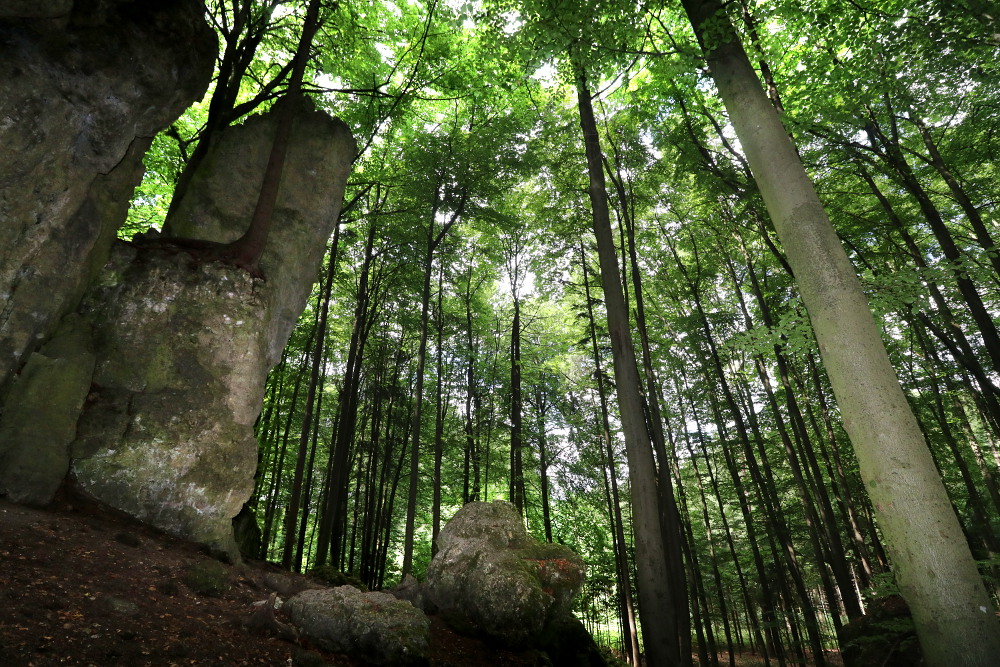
x=934, y=568
x=627, y=607
x=658, y=611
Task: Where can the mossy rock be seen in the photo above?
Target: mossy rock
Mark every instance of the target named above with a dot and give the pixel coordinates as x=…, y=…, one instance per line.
x=209, y=577
x=490, y=578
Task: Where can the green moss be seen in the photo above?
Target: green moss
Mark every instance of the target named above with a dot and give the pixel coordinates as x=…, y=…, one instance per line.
x=208, y=577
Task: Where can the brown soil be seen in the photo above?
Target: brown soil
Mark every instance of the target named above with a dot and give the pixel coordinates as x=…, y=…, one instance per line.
x=82, y=586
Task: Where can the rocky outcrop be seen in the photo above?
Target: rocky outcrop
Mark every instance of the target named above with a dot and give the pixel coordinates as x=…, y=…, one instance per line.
x=145, y=366
x=375, y=627
x=86, y=86
x=220, y=200
x=40, y=418
x=492, y=579
x=166, y=433
x=183, y=346
x=140, y=369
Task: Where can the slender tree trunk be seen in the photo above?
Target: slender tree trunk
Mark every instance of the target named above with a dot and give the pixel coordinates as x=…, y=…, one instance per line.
x=896, y=160
x=932, y=562
x=439, y=414
x=470, y=477
x=295, y=498
x=433, y=240
x=329, y=534
x=541, y=409
x=760, y=470
x=674, y=536
x=621, y=560
x=307, y=491
x=416, y=418
x=983, y=236
x=658, y=601
x=271, y=507
x=712, y=557
x=816, y=502
x=516, y=410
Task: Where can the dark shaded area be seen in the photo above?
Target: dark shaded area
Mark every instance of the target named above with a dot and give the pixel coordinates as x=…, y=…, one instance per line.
x=81, y=585
x=883, y=637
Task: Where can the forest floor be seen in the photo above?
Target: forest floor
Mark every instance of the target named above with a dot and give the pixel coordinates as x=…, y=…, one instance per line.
x=83, y=586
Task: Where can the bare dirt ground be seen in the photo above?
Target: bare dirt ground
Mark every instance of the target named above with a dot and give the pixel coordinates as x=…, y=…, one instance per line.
x=82, y=586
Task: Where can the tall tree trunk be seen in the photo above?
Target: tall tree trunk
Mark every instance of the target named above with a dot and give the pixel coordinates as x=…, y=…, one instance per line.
x=470, y=476
x=516, y=411
x=932, y=562
x=621, y=552
x=659, y=605
x=541, y=409
x=329, y=534
x=674, y=536
x=439, y=414
x=712, y=557
x=983, y=236
x=278, y=469
x=416, y=415
x=893, y=154
x=433, y=240
x=295, y=498
x=815, y=499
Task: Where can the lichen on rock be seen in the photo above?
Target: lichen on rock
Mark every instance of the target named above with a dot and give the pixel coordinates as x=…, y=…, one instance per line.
x=184, y=345
x=491, y=578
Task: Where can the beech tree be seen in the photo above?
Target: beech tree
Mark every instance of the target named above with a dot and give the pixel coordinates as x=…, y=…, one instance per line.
x=931, y=558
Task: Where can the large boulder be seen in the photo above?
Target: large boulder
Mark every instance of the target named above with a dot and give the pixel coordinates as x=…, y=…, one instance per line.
x=183, y=345
x=86, y=86
x=490, y=578
x=375, y=627
x=166, y=433
x=222, y=195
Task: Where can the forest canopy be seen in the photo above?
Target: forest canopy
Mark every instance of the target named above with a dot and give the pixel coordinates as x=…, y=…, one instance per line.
x=464, y=342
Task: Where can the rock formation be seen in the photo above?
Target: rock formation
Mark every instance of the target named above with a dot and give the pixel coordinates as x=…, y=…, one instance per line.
x=139, y=367
x=492, y=579
x=86, y=86
x=183, y=347
x=374, y=626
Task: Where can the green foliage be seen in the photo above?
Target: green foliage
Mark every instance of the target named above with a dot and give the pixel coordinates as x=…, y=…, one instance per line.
x=883, y=586
x=468, y=108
